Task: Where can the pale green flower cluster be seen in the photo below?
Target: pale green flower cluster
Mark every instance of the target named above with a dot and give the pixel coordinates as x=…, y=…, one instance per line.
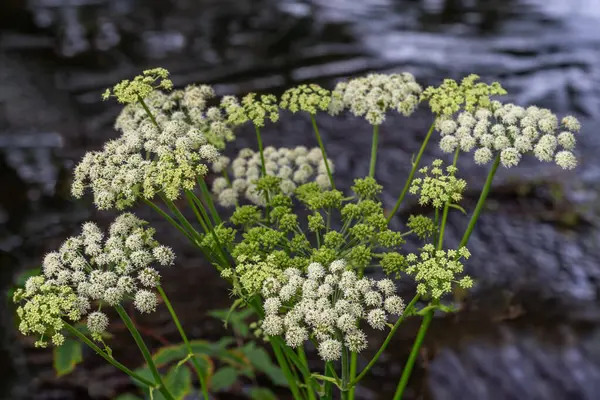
x=249, y=273
x=374, y=95
x=91, y=267
x=144, y=161
x=308, y=98
x=293, y=167
x=252, y=108
x=436, y=270
x=327, y=305
x=436, y=187
x=140, y=87
x=470, y=95
x=512, y=131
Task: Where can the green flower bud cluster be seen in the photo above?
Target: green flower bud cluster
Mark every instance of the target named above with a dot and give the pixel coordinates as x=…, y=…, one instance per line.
x=252, y=108
x=89, y=268
x=374, y=95
x=291, y=167
x=436, y=270
x=308, y=98
x=327, y=305
x=250, y=273
x=513, y=131
x=470, y=95
x=140, y=87
x=436, y=187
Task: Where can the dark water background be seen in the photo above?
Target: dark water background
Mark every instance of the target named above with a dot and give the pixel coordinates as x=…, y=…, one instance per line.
x=531, y=327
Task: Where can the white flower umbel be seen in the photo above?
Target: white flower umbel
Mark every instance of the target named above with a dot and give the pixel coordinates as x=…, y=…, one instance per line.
x=327, y=304
x=94, y=267
x=294, y=166
x=374, y=95
x=162, y=154
x=512, y=131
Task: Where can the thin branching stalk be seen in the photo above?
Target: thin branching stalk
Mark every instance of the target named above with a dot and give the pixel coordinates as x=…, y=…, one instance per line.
x=407, y=312
x=307, y=381
x=194, y=360
x=411, y=175
x=209, y=200
x=145, y=352
x=429, y=316
x=143, y=103
x=74, y=331
x=322, y=147
x=374, y=143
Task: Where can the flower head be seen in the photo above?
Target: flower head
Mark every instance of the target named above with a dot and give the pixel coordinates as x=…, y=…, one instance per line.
x=327, y=304
x=372, y=96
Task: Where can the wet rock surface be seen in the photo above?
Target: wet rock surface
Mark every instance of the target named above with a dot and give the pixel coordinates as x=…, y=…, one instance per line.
x=531, y=327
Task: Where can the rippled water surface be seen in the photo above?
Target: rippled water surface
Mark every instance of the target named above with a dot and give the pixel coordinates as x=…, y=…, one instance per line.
x=531, y=327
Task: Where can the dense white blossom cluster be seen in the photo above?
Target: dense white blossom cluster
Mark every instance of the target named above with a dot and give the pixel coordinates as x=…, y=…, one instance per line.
x=164, y=154
x=513, y=131
x=327, y=305
x=294, y=166
x=372, y=96
x=91, y=267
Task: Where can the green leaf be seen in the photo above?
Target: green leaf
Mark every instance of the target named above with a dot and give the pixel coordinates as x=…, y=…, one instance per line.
x=223, y=378
x=143, y=372
x=67, y=356
x=127, y=396
x=261, y=360
x=178, y=382
x=168, y=354
x=211, y=348
x=257, y=393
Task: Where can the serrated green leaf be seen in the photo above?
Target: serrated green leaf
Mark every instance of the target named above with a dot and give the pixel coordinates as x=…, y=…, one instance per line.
x=257, y=393
x=223, y=378
x=261, y=360
x=66, y=357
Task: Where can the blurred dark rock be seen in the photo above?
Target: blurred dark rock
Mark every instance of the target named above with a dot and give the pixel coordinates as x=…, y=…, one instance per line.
x=530, y=327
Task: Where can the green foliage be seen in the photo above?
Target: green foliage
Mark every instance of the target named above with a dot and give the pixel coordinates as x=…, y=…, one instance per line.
x=66, y=357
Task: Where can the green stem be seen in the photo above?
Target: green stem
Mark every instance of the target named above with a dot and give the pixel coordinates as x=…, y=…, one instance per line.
x=345, y=372
x=407, y=312
x=323, y=153
x=261, y=151
x=209, y=200
x=411, y=174
x=481, y=202
x=285, y=367
x=353, y=368
x=374, y=143
x=108, y=358
x=200, y=206
x=188, y=347
x=311, y=392
x=170, y=220
x=328, y=386
x=141, y=101
x=429, y=316
x=145, y=352
x=446, y=208
x=263, y=166
x=413, y=355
